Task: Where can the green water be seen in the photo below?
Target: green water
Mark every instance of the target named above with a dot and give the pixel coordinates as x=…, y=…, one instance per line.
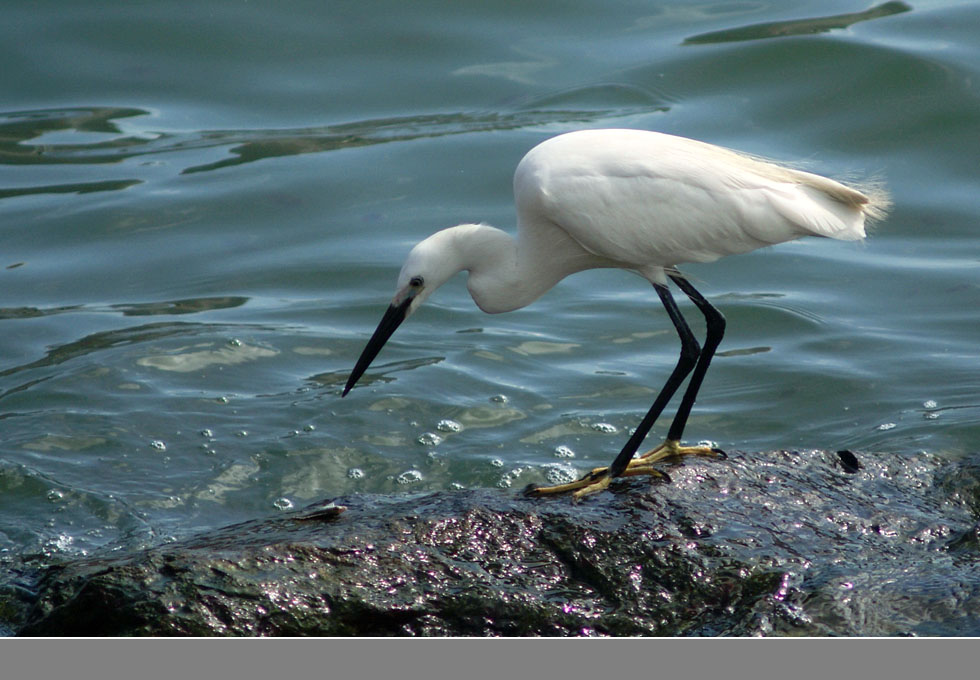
x=204, y=206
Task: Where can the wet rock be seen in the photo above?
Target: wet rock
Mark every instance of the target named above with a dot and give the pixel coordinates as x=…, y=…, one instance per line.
x=779, y=543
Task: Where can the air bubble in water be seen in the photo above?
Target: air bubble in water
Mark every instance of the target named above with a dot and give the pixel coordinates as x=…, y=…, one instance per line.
x=564, y=452
x=557, y=473
x=449, y=426
x=409, y=477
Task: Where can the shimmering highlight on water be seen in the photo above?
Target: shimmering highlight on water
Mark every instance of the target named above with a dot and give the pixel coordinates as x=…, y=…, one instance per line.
x=199, y=235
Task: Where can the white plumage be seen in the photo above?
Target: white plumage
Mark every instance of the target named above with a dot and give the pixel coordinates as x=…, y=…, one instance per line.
x=637, y=200
x=646, y=198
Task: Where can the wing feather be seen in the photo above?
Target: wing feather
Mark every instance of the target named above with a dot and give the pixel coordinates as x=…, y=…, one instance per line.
x=646, y=198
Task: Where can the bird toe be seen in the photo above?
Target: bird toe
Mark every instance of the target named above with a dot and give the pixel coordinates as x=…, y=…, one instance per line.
x=531, y=490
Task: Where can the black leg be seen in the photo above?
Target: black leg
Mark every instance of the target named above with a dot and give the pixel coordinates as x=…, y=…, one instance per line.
x=689, y=359
x=715, y=331
x=694, y=361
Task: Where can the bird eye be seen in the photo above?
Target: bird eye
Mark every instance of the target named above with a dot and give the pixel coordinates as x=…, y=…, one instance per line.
x=416, y=282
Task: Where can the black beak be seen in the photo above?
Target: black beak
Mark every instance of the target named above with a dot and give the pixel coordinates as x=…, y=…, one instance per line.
x=389, y=322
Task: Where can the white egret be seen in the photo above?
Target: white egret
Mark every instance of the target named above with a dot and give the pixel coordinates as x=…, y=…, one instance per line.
x=636, y=200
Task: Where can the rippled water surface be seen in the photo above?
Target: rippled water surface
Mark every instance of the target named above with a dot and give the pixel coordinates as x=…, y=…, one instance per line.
x=204, y=206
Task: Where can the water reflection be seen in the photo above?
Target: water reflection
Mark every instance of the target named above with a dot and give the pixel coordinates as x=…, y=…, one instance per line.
x=780, y=29
x=95, y=342
x=188, y=306
x=48, y=137
x=157, y=308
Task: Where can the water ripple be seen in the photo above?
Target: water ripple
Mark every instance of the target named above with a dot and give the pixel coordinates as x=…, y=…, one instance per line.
x=108, y=135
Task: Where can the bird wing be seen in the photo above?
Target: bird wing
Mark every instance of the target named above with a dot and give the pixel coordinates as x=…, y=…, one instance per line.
x=644, y=198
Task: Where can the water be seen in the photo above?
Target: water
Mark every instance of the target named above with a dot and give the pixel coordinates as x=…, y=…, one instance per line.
x=204, y=207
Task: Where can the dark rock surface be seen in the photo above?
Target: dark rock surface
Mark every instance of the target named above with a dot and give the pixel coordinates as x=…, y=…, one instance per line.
x=779, y=543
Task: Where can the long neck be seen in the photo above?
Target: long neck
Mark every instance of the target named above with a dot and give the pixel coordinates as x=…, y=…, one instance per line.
x=506, y=274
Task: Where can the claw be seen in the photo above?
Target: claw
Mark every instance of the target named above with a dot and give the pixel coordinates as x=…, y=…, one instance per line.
x=598, y=479
x=592, y=481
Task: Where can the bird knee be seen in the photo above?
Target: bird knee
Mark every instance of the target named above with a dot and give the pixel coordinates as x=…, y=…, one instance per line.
x=715, y=329
x=690, y=351
x=716, y=324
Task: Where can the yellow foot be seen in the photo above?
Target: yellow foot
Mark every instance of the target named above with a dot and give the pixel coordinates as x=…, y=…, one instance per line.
x=599, y=478
x=594, y=481
x=672, y=449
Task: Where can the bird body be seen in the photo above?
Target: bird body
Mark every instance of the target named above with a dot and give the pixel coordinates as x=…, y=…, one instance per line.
x=647, y=199
x=636, y=200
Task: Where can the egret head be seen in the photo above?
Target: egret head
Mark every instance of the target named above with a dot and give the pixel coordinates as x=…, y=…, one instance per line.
x=430, y=264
